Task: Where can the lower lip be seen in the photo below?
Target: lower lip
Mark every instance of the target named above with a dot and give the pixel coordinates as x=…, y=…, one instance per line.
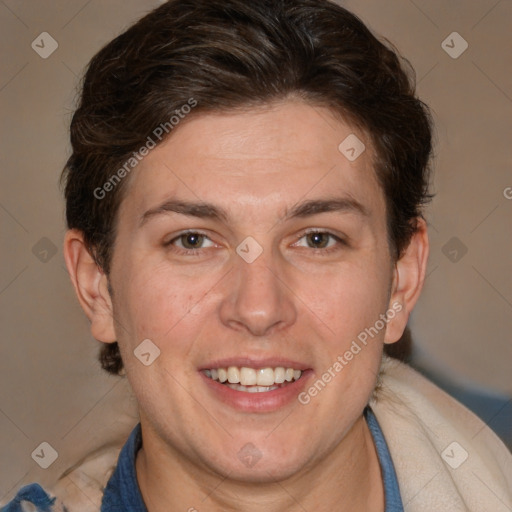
x=265, y=401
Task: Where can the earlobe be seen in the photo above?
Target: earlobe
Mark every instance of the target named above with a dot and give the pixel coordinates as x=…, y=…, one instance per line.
x=408, y=279
x=91, y=286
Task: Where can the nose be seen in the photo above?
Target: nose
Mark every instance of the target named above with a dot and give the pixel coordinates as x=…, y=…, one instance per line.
x=257, y=298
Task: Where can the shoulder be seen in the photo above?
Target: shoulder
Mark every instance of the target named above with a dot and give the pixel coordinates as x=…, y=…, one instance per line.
x=37, y=497
x=446, y=458
x=79, y=489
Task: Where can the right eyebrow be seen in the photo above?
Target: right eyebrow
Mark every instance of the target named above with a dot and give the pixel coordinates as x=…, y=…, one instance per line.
x=200, y=210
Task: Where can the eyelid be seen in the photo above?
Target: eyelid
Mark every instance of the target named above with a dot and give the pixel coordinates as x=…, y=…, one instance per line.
x=178, y=235
x=340, y=239
x=326, y=231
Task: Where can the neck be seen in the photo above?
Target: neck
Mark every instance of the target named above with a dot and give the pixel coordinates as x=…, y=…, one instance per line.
x=348, y=479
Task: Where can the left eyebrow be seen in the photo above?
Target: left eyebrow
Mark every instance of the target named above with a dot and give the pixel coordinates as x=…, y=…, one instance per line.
x=317, y=206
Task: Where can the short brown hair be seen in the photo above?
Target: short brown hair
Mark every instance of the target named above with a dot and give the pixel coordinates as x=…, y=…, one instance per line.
x=229, y=54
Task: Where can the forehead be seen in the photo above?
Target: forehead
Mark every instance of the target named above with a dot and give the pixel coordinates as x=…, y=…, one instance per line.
x=260, y=160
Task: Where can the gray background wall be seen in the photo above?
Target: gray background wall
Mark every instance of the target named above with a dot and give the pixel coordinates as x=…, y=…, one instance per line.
x=52, y=389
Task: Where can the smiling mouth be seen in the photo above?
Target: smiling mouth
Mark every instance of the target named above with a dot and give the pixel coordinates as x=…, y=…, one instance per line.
x=254, y=380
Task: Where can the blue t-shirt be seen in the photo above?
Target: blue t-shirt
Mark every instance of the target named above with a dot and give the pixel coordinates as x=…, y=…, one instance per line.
x=122, y=492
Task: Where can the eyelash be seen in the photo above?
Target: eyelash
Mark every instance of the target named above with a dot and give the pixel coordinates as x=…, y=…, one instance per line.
x=185, y=252
x=340, y=242
x=196, y=252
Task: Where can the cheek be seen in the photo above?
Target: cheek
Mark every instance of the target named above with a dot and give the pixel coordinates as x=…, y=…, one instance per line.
x=347, y=300
x=158, y=304
x=356, y=302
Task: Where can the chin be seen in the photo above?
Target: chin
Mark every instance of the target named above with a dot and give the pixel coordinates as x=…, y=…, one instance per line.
x=251, y=465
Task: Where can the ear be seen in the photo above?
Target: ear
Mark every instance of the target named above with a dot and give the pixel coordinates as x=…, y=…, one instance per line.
x=408, y=279
x=91, y=286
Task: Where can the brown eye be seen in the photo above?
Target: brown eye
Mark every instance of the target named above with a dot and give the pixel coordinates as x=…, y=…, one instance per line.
x=322, y=241
x=191, y=240
x=318, y=240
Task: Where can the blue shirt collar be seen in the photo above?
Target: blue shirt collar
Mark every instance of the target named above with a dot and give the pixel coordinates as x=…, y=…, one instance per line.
x=389, y=478
x=122, y=491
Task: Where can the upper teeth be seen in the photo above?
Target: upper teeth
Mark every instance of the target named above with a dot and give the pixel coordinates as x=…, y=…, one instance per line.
x=252, y=377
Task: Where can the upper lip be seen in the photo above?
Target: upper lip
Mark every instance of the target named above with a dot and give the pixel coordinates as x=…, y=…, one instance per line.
x=250, y=362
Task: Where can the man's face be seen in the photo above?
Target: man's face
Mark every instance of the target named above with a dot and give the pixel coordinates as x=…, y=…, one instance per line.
x=193, y=283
